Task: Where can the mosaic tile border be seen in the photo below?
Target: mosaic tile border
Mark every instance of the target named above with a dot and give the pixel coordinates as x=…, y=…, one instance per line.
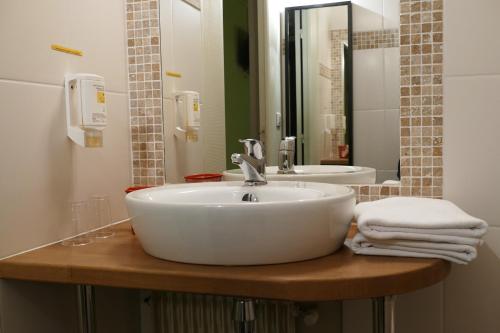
x=363, y=40
x=421, y=49
x=337, y=39
x=421, y=139
x=145, y=89
x=325, y=71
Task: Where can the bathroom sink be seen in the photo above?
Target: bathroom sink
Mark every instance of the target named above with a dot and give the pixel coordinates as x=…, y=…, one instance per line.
x=332, y=174
x=209, y=223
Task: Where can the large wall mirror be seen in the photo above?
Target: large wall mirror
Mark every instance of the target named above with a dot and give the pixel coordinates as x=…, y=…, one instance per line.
x=327, y=73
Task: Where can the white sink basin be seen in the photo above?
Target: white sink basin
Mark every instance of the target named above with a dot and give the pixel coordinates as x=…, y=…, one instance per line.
x=208, y=223
x=332, y=174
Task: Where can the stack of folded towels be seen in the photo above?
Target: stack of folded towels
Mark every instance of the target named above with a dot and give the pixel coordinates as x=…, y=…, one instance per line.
x=417, y=227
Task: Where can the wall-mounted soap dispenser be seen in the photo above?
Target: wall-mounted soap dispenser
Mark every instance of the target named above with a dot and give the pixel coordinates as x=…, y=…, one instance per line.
x=187, y=114
x=86, y=115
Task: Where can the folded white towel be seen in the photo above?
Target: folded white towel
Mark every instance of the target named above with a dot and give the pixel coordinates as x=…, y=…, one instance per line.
x=457, y=253
x=418, y=219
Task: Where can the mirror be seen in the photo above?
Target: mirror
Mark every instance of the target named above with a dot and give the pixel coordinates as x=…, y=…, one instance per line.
x=327, y=73
x=318, y=82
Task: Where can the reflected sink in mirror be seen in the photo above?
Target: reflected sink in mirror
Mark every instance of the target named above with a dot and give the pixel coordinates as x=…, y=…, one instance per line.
x=332, y=174
x=228, y=223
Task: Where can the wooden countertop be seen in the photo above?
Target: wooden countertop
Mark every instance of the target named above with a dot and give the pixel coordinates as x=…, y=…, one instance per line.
x=121, y=262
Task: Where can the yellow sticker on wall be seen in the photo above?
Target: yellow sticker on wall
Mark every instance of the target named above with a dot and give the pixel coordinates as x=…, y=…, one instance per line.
x=101, y=98
x=60, y=48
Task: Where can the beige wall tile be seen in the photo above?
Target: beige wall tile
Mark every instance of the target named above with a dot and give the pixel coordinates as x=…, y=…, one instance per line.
x=417, y=312
x=368, y=79
x=392, y=82
x=51, y=308
x=95, y=27
x=98, y=27
x=356, y=316
x=118, y=310
x=472, y=292
x=469, y=28
x=368, y=14
x=471, y=141
x=420, y=311
x=391, y=14
x=369, y=138
x=37, y=307
x=42, y=169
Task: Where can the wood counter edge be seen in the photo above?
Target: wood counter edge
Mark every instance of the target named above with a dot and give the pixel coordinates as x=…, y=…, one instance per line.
x=288, y=289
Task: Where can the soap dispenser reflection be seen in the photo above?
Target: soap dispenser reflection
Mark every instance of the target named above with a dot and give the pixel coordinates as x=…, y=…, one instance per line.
x=86, y=114
x=187, y=114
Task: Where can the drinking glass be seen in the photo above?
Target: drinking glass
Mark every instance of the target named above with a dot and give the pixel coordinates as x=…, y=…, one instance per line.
x=78, y=214
x=101, y=214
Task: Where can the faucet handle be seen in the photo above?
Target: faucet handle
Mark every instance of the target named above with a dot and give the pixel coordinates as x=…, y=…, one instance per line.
x=288, y=143
x=253, y=148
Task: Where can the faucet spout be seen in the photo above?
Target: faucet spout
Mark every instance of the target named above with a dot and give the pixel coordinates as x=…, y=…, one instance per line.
x=286, y=155
x=252, y=169
x=252, y=163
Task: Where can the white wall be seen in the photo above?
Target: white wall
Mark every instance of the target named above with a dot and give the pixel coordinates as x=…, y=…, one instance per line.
x=41, y=170
x=472, y=155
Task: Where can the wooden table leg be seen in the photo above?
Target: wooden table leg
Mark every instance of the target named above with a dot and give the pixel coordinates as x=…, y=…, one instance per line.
x=86, y=308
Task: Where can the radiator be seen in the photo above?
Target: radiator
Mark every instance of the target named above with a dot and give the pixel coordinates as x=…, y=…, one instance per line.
x=194, y=313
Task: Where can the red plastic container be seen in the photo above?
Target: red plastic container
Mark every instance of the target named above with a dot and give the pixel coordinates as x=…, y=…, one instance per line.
x=136, y=188
x=203, y=177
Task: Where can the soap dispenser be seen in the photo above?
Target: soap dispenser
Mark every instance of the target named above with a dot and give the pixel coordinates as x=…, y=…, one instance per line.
x=187, y=114
x=86, y=115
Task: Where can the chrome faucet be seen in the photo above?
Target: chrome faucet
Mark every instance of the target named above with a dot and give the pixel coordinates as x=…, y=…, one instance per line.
x=286, y=155
x=252, y=163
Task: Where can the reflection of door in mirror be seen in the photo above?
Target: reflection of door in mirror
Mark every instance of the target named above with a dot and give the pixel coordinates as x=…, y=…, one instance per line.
x=318, y=82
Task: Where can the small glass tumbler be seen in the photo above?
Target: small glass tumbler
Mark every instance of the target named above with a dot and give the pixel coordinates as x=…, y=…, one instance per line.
x=101, y=214
x=79, y=214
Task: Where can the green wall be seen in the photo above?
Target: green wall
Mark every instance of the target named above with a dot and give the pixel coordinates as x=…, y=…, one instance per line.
x=236, y=75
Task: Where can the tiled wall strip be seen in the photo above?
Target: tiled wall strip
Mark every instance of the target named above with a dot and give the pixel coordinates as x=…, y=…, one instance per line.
x=363, y=40
x=145, y=100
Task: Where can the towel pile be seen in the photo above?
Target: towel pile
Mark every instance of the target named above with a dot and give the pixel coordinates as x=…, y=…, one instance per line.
x=417, y=227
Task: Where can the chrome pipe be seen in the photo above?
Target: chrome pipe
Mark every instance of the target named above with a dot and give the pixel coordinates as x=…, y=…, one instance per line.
x=86, y=308
x=378, y=315
x=244, y=316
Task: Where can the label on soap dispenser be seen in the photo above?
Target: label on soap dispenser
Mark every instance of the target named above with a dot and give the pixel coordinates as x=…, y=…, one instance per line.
x=93, y=103
x=101, y=97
